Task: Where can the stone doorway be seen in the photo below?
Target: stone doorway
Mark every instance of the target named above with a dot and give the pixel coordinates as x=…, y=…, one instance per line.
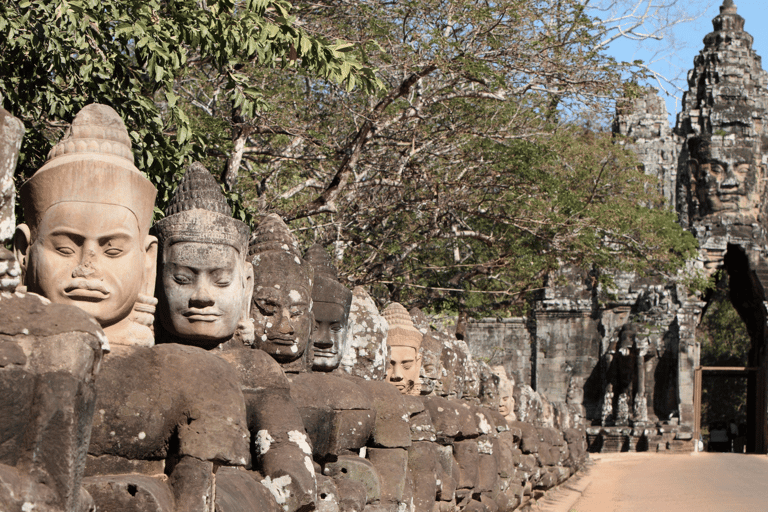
x=745, y=275
x=748, y=373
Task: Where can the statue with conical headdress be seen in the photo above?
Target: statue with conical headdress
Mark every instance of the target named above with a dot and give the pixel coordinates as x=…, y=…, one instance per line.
x=205, y=290
x=331, y=301
x=86, y=239
x=282, y=295
x=404, y=342
x=205, y=281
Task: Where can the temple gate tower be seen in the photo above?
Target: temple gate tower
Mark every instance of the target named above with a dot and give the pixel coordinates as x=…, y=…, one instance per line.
x=723, y=129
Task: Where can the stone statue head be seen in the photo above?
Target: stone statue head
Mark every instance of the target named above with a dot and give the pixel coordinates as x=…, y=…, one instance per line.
x=404, y=342
x=727, y=178
x=331, y=301
x=431, y=350
x=490, y=386
x=282, y=291
x=86, y=239
x=506, y=394
x=205, y=280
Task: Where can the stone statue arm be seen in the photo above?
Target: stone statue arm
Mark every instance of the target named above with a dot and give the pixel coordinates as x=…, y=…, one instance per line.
x=281, y=449
x=193, y=482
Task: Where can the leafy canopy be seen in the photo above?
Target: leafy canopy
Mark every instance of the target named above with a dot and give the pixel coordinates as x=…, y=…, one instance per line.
x=58, y=55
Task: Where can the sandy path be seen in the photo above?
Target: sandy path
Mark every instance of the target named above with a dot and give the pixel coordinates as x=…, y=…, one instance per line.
x=705, y=482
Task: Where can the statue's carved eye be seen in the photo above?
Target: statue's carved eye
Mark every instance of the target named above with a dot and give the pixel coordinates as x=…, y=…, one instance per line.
x=336, y=327
x=113, y=251
x=295, y=311
x=182, y=279
x=66, y=251
x=265, y=308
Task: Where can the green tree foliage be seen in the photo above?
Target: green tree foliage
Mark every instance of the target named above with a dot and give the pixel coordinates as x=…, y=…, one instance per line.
x=470, y=175
x=58, y=55
x=455, y=178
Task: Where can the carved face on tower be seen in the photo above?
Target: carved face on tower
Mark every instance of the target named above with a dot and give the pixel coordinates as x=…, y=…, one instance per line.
x=282, y=292
x=727, y=180
x=331, y=301
x=205, y=281
x=88, y=210
x=404, y=342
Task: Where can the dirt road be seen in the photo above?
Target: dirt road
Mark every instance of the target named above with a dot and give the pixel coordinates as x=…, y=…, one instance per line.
x=704, y=482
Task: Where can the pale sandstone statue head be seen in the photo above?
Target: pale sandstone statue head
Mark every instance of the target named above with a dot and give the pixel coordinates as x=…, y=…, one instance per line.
x=86, y=241
x=404, y=342
x=727, y=178
x=205, y=280
x=282, y=293
x=330, y=307
x=506, y=394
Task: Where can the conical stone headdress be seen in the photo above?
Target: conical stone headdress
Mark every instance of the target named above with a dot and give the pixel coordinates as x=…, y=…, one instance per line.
x=273, y=235
x=92, y=163
x=198, y=212
x=275, y=251
x=401, y=332
x=326, y=288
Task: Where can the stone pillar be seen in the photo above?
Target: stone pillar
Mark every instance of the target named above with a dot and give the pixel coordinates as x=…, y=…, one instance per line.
x=688, y=358
x=11, y=133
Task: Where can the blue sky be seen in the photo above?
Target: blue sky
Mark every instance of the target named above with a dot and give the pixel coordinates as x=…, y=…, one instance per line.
x=755, y=12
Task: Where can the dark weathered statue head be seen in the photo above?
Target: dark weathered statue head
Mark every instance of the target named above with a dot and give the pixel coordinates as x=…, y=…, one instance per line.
x=282, y=291
x=86, y=240
x=431, y=351
x=330, y=307
x=726, y=178
x=205, y=281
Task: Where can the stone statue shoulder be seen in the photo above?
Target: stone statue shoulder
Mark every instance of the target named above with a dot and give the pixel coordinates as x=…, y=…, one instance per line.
x=146, y=394
x=256, y=369
x=318, y=389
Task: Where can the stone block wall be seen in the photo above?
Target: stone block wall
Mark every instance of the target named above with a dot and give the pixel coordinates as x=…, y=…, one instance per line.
x=504, y=341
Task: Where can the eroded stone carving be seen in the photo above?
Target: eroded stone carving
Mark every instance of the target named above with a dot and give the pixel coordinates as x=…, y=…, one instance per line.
x=205, y=291
x=331, y=301
x=366, y=346
x=205, y=283
x=86, y=239
x=506, y=394
x=404, y=342
x=282, y=295
x=49, y=359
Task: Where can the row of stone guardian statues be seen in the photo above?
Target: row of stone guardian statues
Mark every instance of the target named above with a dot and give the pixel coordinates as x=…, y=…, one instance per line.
x=194, y=366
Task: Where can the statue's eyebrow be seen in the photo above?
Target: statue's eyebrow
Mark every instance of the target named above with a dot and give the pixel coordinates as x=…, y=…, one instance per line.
x=72, y=235
x=118, y=234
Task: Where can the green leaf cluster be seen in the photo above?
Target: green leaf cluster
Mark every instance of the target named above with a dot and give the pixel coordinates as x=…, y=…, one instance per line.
x=56, y=56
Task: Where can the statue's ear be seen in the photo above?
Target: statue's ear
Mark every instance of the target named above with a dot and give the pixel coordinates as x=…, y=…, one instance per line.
x=150, y=265
x=693, y=169
x=248, y=292
x=22, y=240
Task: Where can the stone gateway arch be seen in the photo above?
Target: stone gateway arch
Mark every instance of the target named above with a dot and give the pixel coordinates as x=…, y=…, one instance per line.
x=627, y=357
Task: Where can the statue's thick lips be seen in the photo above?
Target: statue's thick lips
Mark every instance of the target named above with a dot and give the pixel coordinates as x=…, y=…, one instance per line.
x=86, y=294
x=283, y=341
x=325, y=353
x=197, y=315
